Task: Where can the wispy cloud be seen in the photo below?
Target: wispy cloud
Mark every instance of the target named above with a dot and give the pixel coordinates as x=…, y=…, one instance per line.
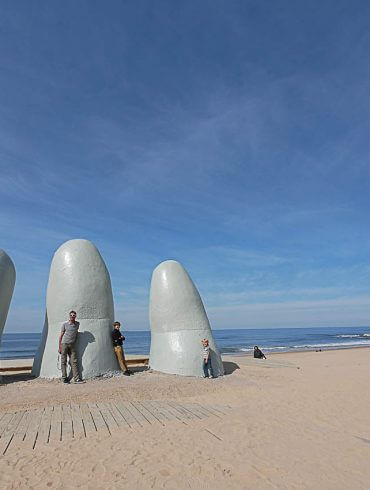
x=240, y=155
x=319, y=313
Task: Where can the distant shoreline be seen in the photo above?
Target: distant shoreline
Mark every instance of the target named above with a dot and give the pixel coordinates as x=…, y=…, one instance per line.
x=230, y=342
x=296, y=351
x=6, y=362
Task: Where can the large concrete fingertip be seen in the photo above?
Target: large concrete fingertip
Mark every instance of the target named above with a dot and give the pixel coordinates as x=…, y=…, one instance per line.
x=178, y=323
x=78, y=280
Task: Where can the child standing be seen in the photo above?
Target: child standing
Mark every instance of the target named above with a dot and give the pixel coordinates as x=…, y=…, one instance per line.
x=207, y=365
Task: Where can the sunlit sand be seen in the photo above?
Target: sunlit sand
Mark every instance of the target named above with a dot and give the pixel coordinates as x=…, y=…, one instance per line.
x=295, y=421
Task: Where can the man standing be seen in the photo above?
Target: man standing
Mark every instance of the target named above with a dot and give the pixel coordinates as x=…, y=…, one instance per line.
x=118, y=339
x=67, y=346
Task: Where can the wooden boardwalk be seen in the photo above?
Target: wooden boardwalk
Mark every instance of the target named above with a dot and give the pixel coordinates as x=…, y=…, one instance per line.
x=55, y=424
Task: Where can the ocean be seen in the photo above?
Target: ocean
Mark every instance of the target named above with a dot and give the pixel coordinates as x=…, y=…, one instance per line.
x=230, y=341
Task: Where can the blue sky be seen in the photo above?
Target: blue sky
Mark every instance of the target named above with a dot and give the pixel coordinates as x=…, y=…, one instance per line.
x=232, y=136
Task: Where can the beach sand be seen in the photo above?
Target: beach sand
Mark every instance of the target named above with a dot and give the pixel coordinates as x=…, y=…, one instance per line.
x=297, y=420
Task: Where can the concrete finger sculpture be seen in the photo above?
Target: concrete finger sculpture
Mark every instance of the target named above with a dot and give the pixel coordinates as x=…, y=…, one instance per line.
x=178, y=323
x=7, y=281
x=78, y=280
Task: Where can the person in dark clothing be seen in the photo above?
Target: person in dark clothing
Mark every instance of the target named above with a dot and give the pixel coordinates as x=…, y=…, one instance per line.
x=258, y=354
x=118, y=339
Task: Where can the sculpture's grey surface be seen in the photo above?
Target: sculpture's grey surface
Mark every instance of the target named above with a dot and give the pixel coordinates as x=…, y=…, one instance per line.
x=78, y=280
x=178, y=323
x=7, y=281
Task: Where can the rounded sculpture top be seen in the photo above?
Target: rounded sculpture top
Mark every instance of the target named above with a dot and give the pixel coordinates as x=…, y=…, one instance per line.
x=175, y=303
x=7, y=269
x=79, y=280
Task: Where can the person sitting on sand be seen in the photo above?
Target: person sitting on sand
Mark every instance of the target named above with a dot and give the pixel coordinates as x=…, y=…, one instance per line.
x=258, y=354
x=118, y=339
x=67, y=346
x=207, y=364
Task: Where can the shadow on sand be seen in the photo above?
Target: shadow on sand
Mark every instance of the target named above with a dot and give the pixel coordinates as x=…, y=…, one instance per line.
x=6, y=379
x=138, y=369
x=229, y=367
x=83, y=340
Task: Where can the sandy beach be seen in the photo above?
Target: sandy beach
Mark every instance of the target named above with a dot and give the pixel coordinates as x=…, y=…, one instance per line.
x=293, y=421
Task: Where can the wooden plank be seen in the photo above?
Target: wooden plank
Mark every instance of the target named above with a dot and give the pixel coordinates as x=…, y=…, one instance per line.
x=99, y=422
x=128, y=414
x=108, y=418
x=188, y=415
x=5, y=422
x=162, y=409
x=13, y=423
x=87, y=420
x=56, y=425
x=28, y=367
x=5, y=443
x=21, y=430
x=32, y=430
x=206, y=410
x=67, y=426
x=194, y=413
x=8, y=435
x=152, y=408
x=147, y=413
x=15, y=368
x=52, y=424
x=141, y=415
x=172, y=414
x=223, y=410
x=118, y=416
x=133, y=362
x=2, y=415
x=184, y=419
x=78, y=426
x=196, y=410
x=45, y=425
